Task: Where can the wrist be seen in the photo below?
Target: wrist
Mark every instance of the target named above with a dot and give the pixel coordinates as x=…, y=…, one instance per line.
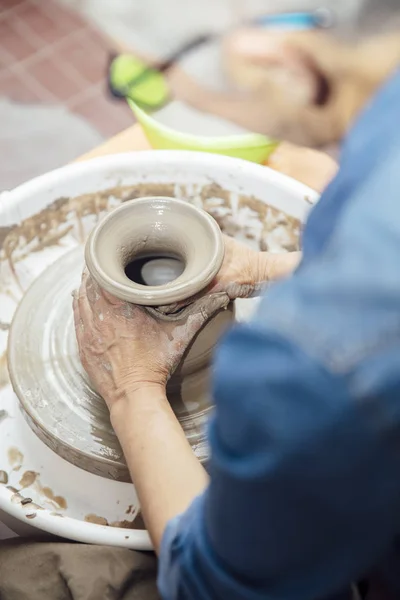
x=142, y=396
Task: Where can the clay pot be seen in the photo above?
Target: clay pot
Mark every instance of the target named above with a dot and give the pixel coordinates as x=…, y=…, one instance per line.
x=155, y=228
x=158, y=251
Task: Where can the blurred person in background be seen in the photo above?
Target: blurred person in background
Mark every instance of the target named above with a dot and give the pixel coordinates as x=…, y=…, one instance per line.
x=303, y=492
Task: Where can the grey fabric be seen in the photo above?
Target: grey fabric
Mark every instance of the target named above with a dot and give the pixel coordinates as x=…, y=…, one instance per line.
x=66, y=571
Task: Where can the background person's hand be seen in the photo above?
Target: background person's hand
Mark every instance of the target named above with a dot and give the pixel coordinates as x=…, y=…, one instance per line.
x=122, y=347
x=282, y=84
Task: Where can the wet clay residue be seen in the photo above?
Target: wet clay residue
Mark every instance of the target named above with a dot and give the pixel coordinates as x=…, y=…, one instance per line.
x=65, y=215
x=31, y=515
x=60, y=501
x=123, y=524
x=47, y=495
x=96, y=520
x=15, y=457
x=4, y=378
x=129, y=510
x=278, y=232
x=28, y=479
x=3, y=415
x=136, y=523
x=3, y=477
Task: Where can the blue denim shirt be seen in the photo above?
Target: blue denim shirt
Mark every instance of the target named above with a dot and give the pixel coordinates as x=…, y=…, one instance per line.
x=305, y=469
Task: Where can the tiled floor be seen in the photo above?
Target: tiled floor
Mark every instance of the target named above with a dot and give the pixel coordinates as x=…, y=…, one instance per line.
x=49, y=54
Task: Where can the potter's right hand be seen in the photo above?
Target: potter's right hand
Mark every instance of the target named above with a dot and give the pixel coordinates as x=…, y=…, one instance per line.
x=123, y=347
x=244, y=272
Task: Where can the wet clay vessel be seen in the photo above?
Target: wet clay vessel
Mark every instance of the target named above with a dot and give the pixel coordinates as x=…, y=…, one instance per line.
x=160, y=251
x=149, y=251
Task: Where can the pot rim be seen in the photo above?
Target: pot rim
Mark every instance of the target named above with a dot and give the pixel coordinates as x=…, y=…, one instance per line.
x=177, y=290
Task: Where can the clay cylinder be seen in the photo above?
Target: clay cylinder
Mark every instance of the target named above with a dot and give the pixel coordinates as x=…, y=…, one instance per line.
x=158, y=251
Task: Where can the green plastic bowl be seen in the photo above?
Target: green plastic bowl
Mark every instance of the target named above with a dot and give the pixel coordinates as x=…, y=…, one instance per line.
x=252, y=147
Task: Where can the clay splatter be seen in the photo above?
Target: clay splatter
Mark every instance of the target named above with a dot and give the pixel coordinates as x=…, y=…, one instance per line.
x=28, y=479
x=15, y=457
x=31, y=515
x=26, y=501
x=3, y=477
x=49, y=226
x=4, y=379
x=122, y=524
x=96, y=520
x=129, y=509
x=3, y=415
x=58, y=500
x=138, y=522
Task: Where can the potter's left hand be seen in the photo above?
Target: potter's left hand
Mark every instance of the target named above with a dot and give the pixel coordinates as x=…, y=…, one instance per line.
x=122, y=347
x=245, y=272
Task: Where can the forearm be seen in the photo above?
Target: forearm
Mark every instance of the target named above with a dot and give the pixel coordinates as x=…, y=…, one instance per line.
x=166, y=473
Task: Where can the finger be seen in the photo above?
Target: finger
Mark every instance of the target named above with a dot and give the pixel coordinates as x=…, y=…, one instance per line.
x=174, y=308
x=84, y=308
x=92, y=290
x=242, y=290
x=75, y=308
x=85, y=275
x=79, y=328
x=112, y=299
x=204, y=309
x=178, y=307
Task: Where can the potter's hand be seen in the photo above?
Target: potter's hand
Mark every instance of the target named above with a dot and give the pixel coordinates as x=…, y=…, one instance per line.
x=244, y=272
x=122, y=347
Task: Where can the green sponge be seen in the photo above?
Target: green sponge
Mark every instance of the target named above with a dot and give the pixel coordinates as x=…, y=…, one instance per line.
x=130, y=77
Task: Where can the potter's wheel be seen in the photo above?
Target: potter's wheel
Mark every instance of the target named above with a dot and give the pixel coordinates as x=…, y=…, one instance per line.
x=56, y=395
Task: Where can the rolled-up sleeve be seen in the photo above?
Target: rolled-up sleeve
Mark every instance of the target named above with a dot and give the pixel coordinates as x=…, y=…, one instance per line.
x=305, y=443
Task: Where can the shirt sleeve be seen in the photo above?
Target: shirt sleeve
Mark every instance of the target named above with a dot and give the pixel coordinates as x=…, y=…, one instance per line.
x=305, y=443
